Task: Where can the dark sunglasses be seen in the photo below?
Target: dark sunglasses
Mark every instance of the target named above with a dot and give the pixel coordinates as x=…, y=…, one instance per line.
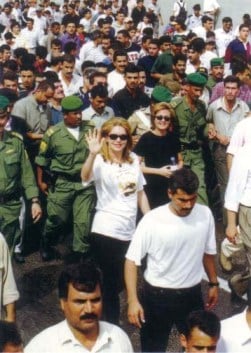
x=161, y=117
x=114, y=137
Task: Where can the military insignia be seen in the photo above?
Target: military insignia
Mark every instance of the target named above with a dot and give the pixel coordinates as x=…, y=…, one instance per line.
x=16, y=134
x=43, y=146
x=50, y=131
x=10, y=151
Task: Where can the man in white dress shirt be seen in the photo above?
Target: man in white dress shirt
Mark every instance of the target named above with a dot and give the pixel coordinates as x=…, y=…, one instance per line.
x=236, y=331
x=80, y=297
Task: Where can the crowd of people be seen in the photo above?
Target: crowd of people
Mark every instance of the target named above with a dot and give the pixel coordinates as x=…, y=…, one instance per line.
x=133, y=135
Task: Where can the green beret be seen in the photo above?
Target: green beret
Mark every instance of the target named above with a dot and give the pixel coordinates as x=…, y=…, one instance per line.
x=177, y=40
x=196, y=79
x=4, y=103
x=203, y=71
x=71, y=104
x=216, y=62
x=161, y=94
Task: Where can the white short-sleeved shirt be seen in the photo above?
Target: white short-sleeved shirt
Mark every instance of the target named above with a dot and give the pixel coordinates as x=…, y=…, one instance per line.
x=174, y=246
x=117, y=189
x=8, y=290
x=241, y=135
x=235, y=335
x=59, y=339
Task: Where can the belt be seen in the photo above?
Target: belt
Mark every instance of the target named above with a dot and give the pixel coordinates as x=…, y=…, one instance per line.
x=72, y=178
x=162, y=290
x=10, y=197
x=190, y=146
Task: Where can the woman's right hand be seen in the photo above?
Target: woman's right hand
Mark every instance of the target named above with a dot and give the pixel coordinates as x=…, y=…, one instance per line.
x=165, y=171
x=94, y=140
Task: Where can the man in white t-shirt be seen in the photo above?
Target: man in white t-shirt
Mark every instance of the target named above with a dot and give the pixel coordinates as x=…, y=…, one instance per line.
x=80, y=295
x=179, y=241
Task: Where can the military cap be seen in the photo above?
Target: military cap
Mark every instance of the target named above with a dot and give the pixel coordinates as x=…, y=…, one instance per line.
x=196, y=79
x=216, y=62
x=203, y=71
x=177, y=40
x=71, y=104
x=161, y=94
x=4, y=103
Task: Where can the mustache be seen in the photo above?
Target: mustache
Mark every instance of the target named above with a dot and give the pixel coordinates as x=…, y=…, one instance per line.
x=88, y=316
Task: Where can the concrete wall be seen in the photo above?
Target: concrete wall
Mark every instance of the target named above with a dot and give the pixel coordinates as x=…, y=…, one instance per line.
x=232, y=8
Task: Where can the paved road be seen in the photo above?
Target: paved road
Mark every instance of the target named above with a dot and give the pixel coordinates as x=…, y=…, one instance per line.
x=38, y=307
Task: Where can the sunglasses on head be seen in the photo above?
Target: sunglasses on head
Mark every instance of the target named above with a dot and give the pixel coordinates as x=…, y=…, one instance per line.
x=161, y=117
x=122, y=137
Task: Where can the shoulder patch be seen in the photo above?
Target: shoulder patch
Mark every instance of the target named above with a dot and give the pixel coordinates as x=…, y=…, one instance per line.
x=175, y=102
x=43, y=146
x=50, y=131
x=16, y=134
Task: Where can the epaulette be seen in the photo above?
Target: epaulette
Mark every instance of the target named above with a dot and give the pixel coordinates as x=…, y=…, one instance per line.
x=50, y=131
x=175, y=102
x=16, y=134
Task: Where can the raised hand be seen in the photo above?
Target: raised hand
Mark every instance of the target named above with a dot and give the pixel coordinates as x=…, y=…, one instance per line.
x=94, y=140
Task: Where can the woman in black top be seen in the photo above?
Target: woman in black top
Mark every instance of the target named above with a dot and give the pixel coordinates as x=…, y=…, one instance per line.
x=159, y=151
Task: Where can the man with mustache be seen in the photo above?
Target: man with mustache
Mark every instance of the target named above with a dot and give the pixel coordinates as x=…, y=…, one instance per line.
x=80, y=294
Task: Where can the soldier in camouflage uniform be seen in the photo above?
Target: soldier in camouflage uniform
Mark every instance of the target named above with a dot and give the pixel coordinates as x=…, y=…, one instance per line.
x=16, y=177
x=63, y=150
x=192, y=127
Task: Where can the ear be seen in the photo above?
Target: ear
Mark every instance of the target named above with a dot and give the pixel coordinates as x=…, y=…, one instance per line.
x=62, y=304
x=169, y=193
x=183, y=341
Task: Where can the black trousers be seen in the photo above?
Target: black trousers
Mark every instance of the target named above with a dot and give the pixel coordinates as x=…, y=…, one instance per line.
x=164, y=308
x=110, y=256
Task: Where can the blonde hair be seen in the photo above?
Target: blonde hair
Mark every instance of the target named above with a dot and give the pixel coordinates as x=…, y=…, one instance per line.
x=161, y=106
x=105, y=131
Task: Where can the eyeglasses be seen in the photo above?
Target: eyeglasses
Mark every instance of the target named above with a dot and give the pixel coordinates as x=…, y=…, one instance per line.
x=114, y=137
x=161, y=117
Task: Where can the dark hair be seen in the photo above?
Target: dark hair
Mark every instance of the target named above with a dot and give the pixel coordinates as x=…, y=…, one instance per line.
x=68, y=58
x=56, y=42
x=155, y=41
x=232, y=79
x=29, y=19
x=14, y=23
x=9, y=334
x=206, y=321
x=184, y=179
x=148, y=31
x=51, y=76
x=99, y=91
x=20, y=52
x=206, y=18
x=41, y=51
x=11, y=65
x=69, y=46
x=239, y=65
x=4, y=47
x=87, y=63
x=243, y=25
x=12, y=76
x=197, y=44
x=27, y=68
x=132, y=68
x=164, y=39
x=227, y=19
x=55, y=60
x=45, y=85
x=55, y=23
x=146, y=38
x=95, y=74
x=179, y=57
x=119, y=53
x=124, y=33
x=83, y=276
